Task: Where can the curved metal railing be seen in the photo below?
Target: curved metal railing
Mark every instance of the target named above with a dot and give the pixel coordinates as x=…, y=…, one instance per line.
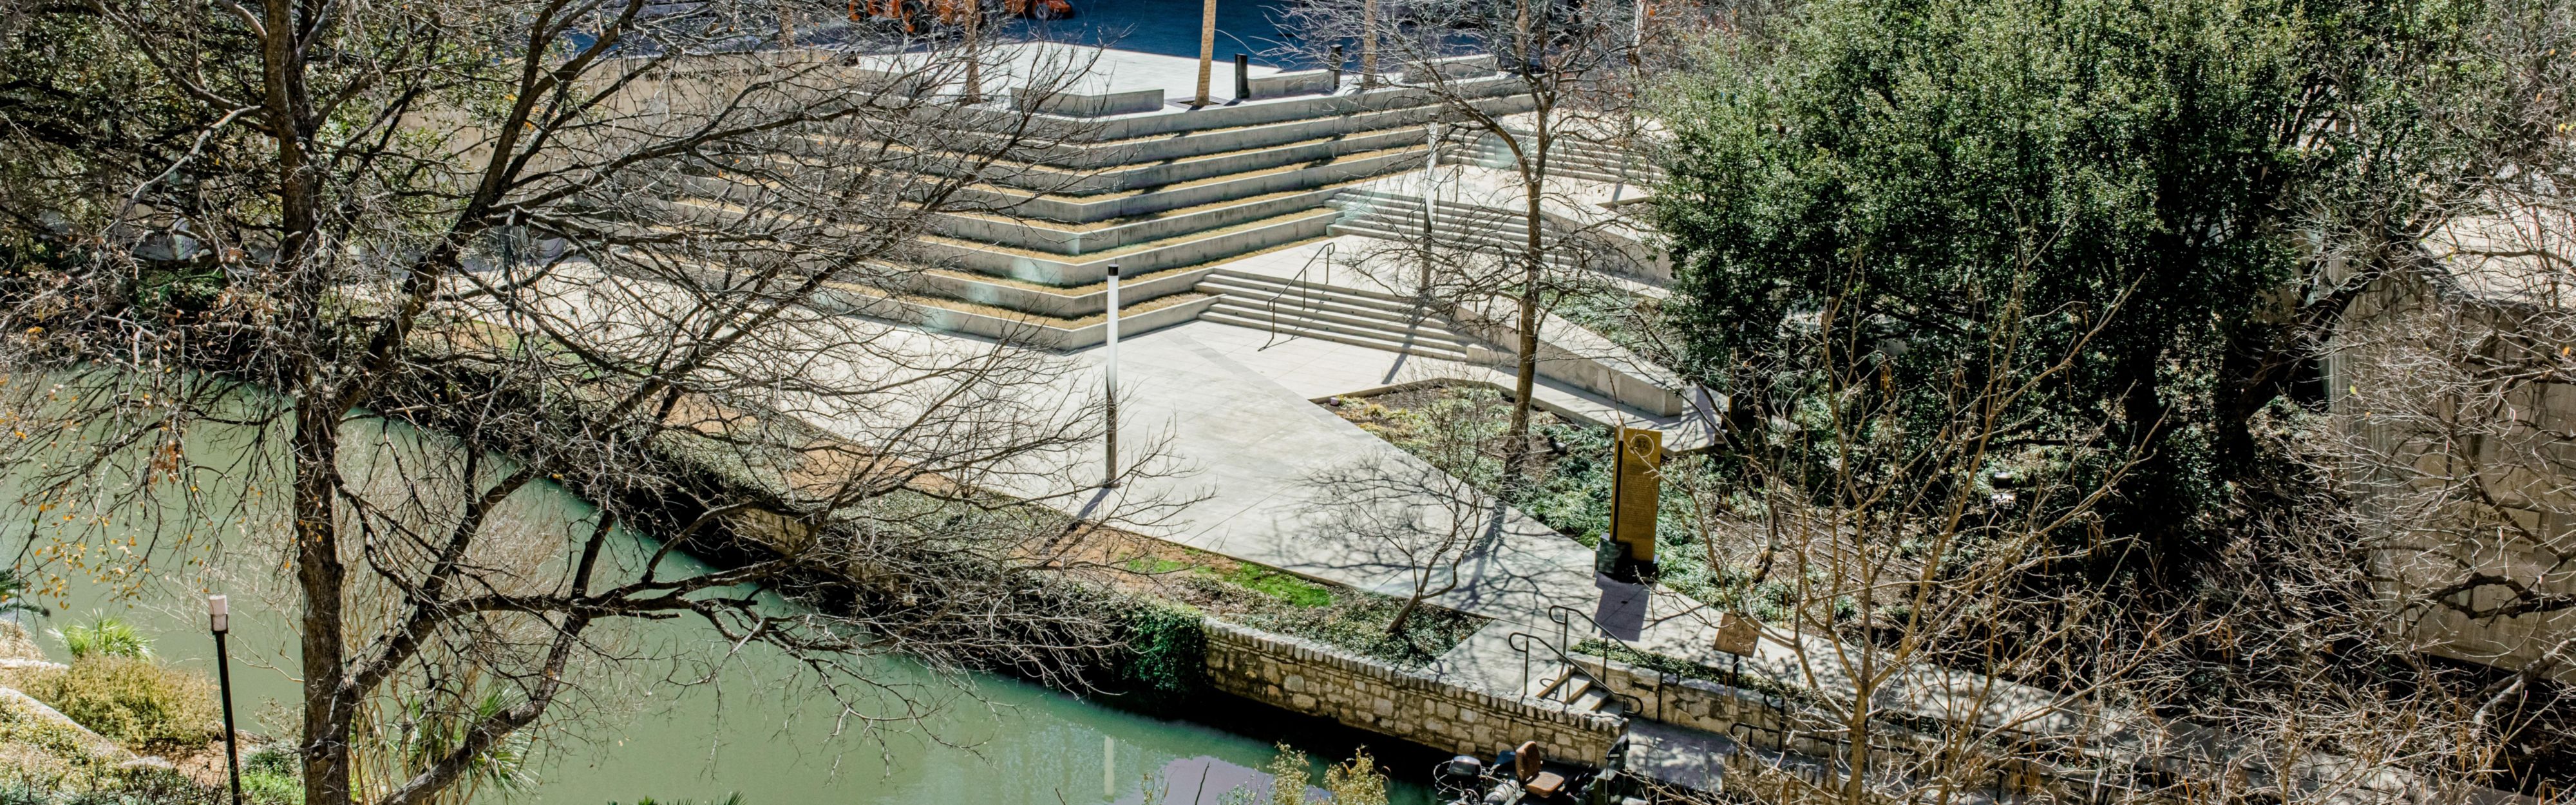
x=1305, y=290
x=1522, y=641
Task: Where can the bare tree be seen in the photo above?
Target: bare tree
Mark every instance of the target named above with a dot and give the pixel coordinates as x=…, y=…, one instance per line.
x=1572, y=65
x=593, y=244
x=1421, y=517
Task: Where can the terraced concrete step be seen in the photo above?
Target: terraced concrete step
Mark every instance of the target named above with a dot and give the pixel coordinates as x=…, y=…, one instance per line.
x=1220, y=189
x=1399, y=301
x=1189, y=248
x=1163, y=171
x=1431, y=328
x=1289, y=325
x=1081, y=239
x=1320, y=294
x=1600, y=167
x=1499, y=247
x=1421, y=330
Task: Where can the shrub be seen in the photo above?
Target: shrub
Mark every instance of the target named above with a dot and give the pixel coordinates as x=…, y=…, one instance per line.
x=1356, y=781
x=105, y=637
x=135, y=702
x=272, y=775
x=1290, y=775
x=1166, y=658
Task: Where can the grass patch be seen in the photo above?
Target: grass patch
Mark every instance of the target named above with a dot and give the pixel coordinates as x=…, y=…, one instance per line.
x=1295, y=591
x=1274, y=600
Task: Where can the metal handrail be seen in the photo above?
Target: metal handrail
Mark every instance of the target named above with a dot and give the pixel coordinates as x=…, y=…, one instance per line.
x=1521, y=641
x=1305, y=291
x=1563, y=616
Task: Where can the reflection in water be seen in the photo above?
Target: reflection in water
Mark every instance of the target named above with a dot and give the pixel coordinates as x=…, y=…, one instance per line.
x=755, y=730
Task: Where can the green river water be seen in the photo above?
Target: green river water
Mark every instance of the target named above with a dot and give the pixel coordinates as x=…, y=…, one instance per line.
x=757, y=731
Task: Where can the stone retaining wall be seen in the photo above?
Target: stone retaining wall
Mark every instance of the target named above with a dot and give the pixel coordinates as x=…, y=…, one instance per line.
x=1307, y=678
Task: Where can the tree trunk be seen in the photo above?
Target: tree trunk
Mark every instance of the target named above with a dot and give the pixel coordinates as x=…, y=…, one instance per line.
x=328, y=710
x=1395, y=628
x=1368, y=44
x=1207, y=48
x=974, y=66
x=1525, y=376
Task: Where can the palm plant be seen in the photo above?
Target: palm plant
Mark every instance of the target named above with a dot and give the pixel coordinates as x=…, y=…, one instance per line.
x=107, y=636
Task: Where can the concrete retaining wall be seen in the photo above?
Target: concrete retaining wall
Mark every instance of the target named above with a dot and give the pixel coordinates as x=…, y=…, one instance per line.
x=1308, y=678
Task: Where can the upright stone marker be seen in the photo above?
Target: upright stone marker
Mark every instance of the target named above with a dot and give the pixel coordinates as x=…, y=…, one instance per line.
x=1635, y=492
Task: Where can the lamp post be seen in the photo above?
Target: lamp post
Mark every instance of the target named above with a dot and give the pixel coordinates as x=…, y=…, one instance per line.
x=1430, y=198
x=1110, y=480
x=219, y=620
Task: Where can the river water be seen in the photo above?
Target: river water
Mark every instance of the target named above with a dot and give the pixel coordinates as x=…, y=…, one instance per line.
x=756, y=731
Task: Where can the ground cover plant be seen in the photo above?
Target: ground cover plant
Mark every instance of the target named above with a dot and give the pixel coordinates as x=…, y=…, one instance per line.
x=1276, y=601
x=1568, y=483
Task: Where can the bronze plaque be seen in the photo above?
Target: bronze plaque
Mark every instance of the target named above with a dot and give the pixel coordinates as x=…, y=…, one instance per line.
x=1736, y=634
x=1635, y=490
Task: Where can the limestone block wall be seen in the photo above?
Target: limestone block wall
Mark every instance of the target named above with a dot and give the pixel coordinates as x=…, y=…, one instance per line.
x=2456, y=433
x=1307, y=678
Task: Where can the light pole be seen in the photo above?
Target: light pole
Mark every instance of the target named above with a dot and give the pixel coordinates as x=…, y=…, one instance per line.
x=219, y=620
x=1110, y=481
x=1430, y=197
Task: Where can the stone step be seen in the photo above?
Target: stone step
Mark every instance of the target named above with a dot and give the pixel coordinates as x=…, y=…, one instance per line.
x=1082, y=239
x=1189, y=248
x=1501, y=247
x=1547, y=681
x=1591, y=700
x=1386, y=300
x=1397, y=331
x=1286, y=325
x=1183, y=196
x=1161, y=172
x=1571, y=689
x=1450, y=215
x=1431, y=328
x=1605, y=167
x=1321, y=302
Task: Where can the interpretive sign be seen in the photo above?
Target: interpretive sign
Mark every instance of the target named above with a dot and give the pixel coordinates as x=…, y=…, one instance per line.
x=1736, y=634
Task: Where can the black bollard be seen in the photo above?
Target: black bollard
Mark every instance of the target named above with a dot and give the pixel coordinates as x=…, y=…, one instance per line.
x=1242, y=77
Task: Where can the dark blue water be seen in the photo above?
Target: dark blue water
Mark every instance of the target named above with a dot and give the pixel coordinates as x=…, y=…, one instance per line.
x=1171, y=27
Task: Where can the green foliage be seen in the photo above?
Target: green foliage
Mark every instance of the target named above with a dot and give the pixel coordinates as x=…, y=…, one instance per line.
x=273, y=774
x=1296, y=591
x=105, y=637
x=1939, y=175
x=1356, y=781
x=133, y=701
x=1166, y=656
x=428, y=732
x=1290, y=775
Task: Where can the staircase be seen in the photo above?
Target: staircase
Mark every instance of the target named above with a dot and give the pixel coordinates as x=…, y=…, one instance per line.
x=1303, y=309
x=1396, y=216
x=1167, y=196
x=1569, y=687
x=1566, y=156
